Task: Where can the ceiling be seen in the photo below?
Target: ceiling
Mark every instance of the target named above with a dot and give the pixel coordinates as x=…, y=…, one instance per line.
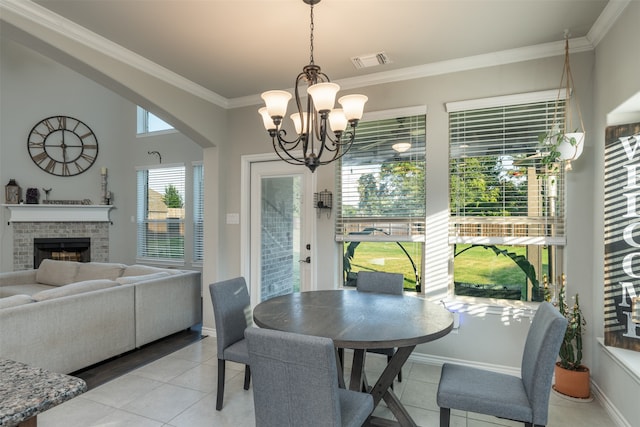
x=240, y=48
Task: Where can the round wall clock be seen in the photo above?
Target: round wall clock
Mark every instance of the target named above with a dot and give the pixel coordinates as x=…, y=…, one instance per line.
x=62, y=146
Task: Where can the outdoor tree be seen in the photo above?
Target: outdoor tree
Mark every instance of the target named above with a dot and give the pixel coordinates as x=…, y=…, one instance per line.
x=172, y=198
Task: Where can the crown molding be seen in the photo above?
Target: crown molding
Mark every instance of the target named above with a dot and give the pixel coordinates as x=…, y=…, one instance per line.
x=581, y=44
x=605, y=21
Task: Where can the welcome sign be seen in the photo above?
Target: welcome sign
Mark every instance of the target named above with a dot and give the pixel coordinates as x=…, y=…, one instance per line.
x=622, y=236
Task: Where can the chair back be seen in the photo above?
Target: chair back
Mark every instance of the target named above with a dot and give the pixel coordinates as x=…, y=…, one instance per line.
x=538, y=360
x=231, y=302
x=295, y=380
x=378, y=281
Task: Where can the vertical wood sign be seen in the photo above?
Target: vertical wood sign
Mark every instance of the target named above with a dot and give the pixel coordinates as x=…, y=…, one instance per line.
x=622, y=236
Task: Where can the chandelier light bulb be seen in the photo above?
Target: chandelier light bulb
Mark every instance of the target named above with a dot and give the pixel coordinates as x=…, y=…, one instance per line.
x=276, y=102
x=323, y=95
x=353, y=106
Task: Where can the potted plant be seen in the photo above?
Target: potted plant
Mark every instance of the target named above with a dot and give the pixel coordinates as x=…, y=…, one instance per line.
x=572, y=377
x=558, y=146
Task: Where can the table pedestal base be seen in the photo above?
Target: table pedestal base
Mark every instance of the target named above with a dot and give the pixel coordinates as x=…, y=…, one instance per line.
x=382, y=389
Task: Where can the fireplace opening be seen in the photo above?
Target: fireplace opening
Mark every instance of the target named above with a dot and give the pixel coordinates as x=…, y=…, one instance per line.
x=62, y=249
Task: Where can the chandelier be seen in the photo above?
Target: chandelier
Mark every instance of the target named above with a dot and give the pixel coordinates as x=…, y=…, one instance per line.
x=320, y=129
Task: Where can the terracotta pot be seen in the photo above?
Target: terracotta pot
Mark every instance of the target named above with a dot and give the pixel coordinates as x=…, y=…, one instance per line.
x=572, y=383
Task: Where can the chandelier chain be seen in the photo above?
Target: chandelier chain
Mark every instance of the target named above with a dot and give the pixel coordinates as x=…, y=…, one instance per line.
x=311, y=27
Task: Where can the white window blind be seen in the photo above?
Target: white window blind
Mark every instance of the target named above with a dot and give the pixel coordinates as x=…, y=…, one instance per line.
x=499, y=192
x=160, y=213
x=381, y=191
x=198, y=212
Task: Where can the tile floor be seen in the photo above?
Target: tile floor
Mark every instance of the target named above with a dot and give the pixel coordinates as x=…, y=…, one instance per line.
x=179, y=390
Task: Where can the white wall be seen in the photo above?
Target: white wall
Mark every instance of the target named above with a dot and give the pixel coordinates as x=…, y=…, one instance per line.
x=483, y=337
x=28, y=94
x=617, y=78
x=33, y=87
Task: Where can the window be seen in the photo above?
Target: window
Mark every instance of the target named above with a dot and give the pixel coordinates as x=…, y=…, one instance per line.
x=198, y=212
x=148, y=122
x=381, y=200
x=160, y=213
x=507, y=213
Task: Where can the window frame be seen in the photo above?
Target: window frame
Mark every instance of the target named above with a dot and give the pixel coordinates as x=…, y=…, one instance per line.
x=198, y=213
x=507, y=236
x=142, y=220
x=410, y=232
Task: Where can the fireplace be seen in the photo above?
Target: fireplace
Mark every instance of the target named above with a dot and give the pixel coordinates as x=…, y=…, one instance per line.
x=62, y=249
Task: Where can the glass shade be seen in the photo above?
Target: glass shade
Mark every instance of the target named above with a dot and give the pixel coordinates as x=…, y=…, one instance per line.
x=401, y=147
x=337, y=120
x=276, y=102
x=300, y=127
x=266, y=119
x=323, y=95
x=353, y=106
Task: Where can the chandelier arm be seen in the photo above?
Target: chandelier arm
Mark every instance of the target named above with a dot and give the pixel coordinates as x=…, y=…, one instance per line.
x=338, y=154
x=279, y=149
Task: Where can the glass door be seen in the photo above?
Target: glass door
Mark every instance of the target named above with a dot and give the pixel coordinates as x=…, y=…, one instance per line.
x=281, y=255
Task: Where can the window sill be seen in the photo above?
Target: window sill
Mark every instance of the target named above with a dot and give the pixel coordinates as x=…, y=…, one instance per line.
x=480, y=307
x=628, y=360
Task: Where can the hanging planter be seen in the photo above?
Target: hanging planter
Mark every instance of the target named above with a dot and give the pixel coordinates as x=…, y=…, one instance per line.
x=558, y=144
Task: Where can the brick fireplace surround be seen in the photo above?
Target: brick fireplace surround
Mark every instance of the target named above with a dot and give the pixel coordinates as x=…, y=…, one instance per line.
x=25, y=232
x=38, y=221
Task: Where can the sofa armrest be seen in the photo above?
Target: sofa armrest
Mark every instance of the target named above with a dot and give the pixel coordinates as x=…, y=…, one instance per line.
x=167, y=305
x=23, y=277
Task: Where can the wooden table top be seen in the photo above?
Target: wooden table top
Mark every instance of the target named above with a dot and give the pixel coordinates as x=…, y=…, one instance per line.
x=355, y=319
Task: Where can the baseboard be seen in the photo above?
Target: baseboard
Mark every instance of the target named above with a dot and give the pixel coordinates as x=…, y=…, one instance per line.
x=608, y=406
x=428, y=359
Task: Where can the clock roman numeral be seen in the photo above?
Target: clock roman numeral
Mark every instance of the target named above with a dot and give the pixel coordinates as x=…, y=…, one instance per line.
x=39, y=158
x=62, y=122
x=50, y=166
x=65, y=169
x=88, y=157
x=36, y=145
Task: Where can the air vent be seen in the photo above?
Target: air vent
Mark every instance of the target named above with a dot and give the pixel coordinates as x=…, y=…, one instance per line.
x=371, y=60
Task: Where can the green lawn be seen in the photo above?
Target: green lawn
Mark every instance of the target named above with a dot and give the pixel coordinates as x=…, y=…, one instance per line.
x=477, y=271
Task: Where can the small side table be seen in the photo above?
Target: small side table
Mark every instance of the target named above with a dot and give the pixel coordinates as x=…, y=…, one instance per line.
x=26, y=391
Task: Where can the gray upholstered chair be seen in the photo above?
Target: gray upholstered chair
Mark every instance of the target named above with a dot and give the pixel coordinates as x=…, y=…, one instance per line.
x=295, y=382
x=381, y=282
x=523, y=399
x=231, y=302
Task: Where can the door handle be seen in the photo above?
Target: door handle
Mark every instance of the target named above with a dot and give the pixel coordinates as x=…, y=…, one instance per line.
x=307, y=260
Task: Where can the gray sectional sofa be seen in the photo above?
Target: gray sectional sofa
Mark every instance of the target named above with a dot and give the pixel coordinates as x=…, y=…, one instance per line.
x=65, y=316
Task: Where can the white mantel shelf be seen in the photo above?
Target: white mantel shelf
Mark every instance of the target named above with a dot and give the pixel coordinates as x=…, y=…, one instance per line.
x=58, y=213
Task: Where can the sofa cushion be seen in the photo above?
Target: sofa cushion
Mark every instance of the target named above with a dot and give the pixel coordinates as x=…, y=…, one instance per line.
x=135, y=279
x=26, y=289
x=98, y=270
x=14, y=301
x=139, y=270
x=57, y=273
x=74, y=288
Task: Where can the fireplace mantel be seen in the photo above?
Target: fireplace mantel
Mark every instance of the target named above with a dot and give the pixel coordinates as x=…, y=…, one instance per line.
x=58, y=213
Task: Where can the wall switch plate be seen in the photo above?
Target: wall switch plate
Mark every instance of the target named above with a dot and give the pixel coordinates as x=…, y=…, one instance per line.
x=233, y=218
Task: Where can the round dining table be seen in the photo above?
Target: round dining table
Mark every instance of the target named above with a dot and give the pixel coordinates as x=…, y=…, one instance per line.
x=361, y=320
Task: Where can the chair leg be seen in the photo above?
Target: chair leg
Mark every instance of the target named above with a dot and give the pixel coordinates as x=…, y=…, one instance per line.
x=220, y=395
x=445, y=415
x=247, y=376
